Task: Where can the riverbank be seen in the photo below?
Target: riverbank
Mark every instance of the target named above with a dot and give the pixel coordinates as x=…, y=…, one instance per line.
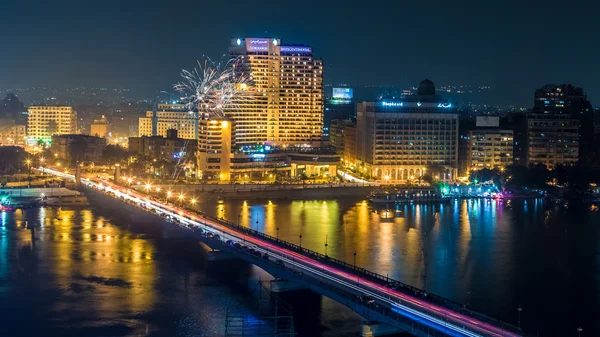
x=270, y=191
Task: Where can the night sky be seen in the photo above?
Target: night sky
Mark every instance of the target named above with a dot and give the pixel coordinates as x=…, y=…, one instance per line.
x=514, y=46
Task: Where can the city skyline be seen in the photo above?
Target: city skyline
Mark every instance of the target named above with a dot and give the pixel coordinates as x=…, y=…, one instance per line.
x=145, y=47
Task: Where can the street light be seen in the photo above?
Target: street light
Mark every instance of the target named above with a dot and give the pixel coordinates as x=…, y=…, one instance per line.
x=326, y=244
x=579, y=330
x=519, y=309
x=169, y=194
x=28, y=161
x=354, y=259
x=300, y=241
x=277, y=229
x=193, y=201
x=148, y=186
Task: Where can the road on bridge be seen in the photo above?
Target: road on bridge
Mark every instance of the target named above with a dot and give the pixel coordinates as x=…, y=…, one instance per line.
x=443, y=319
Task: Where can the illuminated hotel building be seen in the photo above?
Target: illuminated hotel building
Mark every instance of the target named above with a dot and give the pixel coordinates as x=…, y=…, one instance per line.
x=43, y=122
x=398, y=140
x=169, y=117
x=287, y=108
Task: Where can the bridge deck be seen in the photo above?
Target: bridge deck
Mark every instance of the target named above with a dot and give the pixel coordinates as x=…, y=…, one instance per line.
x=370, y=294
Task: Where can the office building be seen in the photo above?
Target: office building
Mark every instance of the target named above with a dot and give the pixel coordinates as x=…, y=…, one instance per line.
x=78, y=148
x=398, y=140
x=170, y=147
x=490, y=146
x=566, y=99
x=349, y=154
x=167, y=117
x=337, y=129
x=214, y=149
x=101, y=128
x=287, y=106
x=14, y=135
x=219, y=161
x=552, y=139
x=43, y=122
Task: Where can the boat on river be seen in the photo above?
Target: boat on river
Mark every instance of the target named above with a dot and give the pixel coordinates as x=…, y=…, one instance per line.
x=403, y=195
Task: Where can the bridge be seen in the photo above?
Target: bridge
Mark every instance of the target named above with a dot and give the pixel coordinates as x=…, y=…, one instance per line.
x=389, y=306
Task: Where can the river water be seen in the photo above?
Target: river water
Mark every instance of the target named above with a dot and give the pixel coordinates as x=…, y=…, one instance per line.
x=87, y=272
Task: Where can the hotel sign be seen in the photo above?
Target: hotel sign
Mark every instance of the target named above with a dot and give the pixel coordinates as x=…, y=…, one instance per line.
x=296, y=49
x=392, y=104
x=256, y=44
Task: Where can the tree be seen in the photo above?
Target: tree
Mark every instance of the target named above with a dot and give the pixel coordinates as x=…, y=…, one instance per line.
x=114, y=154
x=77, y=150
x=12, y=159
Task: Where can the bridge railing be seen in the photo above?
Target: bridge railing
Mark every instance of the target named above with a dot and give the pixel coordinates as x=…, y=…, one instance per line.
x=385, y=280
x=363, y=272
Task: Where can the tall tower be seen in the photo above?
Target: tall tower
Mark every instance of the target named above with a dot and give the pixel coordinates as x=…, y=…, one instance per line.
x=287, y=109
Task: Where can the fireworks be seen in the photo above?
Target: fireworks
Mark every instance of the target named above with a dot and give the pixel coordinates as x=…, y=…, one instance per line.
x=215, y=86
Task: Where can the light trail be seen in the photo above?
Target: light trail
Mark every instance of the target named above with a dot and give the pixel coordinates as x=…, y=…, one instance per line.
x=435, y=316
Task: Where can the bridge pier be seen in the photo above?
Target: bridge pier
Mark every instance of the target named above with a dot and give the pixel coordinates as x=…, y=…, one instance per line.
x=280, y=286
x=373, y=329
x=78, y=176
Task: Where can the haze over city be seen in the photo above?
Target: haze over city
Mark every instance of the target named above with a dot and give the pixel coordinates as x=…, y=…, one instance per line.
x=299, y=169
x=512, y=46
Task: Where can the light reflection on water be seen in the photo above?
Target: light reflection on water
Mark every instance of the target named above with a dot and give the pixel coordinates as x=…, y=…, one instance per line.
x=492, y=255
x=91, y=275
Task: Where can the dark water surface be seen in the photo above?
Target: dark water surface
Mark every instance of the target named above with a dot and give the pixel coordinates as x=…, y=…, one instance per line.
x=89, y=273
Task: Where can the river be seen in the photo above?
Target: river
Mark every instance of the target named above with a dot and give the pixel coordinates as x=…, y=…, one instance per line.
x=82, y=271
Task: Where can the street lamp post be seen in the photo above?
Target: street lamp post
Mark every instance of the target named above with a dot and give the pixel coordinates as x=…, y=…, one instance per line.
x=579, y=330
x=28, y=161
x=519, y=309
x=277, y=229
x=300, y=241
x=354, y=259
x=326, y=244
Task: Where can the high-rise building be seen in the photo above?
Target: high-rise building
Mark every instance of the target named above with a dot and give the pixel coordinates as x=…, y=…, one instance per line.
x=398, y=140
x=337, y=129
x=566, y=99
x=214, y=149
x=552, y=139
x=46, y=121
x=287, y=108
x=169, y=116
x=490, y=146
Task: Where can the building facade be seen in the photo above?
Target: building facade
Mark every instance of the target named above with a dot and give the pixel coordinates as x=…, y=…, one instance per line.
x=101, y=128
x=566, y=99
x=490, y=148
x=398, y=140
x=286, y=108
x=43, y=122
x=15, y=135
x=552, y=139
x=78, y=148
x=168, y=117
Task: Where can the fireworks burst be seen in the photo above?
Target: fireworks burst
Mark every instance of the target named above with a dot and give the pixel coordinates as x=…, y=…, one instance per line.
x=215, y=86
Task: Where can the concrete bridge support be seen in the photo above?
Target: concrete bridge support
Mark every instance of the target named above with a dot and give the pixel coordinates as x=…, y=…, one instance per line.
x=373, y=329
x=280, y=286
x=78, y=176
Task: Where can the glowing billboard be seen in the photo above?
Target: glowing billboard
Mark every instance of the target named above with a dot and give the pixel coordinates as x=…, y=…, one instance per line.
x=343, y=93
